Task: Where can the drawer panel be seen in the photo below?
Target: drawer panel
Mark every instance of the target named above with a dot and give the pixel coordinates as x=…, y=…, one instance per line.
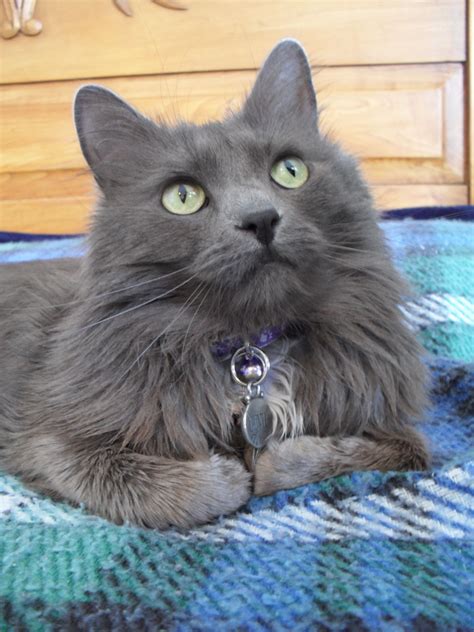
x=405, y=123
x=91, y=38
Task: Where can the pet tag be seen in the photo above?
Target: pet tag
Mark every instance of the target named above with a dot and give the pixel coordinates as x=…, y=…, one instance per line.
x=257, y=422
x=249, y=367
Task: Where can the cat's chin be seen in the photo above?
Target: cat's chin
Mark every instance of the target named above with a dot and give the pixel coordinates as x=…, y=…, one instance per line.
x=270, y=295
x=268, y=272
x=266, y=287
x=267, y=262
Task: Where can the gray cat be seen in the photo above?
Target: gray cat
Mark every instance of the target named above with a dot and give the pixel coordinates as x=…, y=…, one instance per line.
x=116, y=388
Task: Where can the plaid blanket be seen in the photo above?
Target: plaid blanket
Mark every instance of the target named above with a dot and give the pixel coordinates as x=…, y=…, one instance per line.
x=367, y=551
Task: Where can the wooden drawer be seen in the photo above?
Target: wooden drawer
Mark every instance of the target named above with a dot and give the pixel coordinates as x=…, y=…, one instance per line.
x=405, y=123
x=91, y=38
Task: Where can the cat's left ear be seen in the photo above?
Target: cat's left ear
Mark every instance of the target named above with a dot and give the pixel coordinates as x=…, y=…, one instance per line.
x=284, y=89
x=114, y=137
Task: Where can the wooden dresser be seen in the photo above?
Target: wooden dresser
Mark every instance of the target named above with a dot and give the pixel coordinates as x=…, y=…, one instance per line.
x=391, y=75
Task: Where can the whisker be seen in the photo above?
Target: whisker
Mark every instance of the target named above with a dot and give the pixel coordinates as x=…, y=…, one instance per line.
x=102, y=294
x=345, y=263
x=180, y=312
x=191, y=322
x=350, y=249
x=134, y=307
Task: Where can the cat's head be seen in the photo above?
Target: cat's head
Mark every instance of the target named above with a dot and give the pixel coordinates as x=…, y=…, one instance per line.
x=261, y=207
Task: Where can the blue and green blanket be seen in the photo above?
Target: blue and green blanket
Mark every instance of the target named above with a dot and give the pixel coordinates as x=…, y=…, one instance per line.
x=366, y=551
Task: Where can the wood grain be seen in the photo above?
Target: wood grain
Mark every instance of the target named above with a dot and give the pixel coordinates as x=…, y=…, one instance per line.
x=46, y=202
x=32, y=185
x=393, y=196
x=405, y=123
x=45, y=215
x=91, y=38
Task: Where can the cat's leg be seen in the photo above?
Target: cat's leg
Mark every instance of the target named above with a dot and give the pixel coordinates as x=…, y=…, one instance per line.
x=308, y=459
x=125, y=486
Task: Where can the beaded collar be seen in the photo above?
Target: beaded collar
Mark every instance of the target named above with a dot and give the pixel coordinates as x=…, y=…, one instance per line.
x=224, y=349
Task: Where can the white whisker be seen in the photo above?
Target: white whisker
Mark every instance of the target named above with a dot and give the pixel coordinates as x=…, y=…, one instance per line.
x=102, y=294
x=191, y=322
x=142, y=353
x=134, y=307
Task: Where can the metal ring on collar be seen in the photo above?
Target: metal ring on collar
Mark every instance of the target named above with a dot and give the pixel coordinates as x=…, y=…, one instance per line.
x=249, y=351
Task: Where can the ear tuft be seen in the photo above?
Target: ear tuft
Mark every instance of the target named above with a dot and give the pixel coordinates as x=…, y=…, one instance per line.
x=284, y=87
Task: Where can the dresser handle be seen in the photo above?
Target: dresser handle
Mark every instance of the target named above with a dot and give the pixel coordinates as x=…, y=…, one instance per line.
x=124, y=5
x=171, y=4
x=11, y=25
x=29, y=24
x=19, y=17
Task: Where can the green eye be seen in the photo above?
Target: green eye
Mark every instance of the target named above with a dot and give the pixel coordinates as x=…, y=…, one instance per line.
x=290, y=172
x=183, y=198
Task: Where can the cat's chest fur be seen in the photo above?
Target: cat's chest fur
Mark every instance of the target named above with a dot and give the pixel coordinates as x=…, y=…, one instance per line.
x=199, y=401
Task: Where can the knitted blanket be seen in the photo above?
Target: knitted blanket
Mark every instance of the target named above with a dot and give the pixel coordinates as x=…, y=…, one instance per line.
x=366, y=551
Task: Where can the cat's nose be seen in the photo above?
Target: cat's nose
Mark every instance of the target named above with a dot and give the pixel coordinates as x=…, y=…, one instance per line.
x=262, y=224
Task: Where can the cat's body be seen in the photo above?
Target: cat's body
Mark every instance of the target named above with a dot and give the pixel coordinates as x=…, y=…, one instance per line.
x=110, y=393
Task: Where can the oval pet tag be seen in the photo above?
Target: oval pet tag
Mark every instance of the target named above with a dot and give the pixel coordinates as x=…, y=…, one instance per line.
x=257, y=422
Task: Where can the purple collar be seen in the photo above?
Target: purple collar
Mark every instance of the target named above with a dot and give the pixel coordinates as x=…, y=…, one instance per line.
x=223, y=349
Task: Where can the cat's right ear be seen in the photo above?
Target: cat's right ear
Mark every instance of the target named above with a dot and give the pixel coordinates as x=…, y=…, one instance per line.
x=284, y=90
x=112, y=134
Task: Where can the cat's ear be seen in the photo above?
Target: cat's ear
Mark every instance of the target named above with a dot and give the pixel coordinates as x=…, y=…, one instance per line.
x=112, y=134
x=284, y=88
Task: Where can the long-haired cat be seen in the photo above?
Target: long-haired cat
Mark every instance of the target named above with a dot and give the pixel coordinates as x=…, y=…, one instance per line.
x=116, y=388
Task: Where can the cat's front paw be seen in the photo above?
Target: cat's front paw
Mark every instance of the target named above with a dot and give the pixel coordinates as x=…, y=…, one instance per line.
x=269, y=472
x=213, y=488
x=288, y=464
x=230, y=485
x=159, y=493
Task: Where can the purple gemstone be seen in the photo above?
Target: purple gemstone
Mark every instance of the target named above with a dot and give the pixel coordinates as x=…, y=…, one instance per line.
x=249, y=369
